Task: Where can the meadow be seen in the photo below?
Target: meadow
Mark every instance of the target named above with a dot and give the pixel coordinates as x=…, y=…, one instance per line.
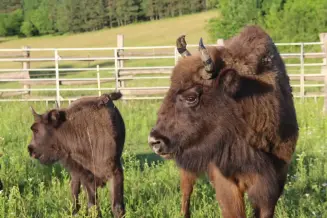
x=151, y=183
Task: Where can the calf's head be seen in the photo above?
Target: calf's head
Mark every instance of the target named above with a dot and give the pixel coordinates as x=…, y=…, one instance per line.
x=190, y=112
x=45, y=144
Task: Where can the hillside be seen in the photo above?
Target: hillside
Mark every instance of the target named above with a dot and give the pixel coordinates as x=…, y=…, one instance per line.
x=161, y=32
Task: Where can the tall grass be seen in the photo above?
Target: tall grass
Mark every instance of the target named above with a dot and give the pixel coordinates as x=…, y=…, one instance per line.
x=151, y=184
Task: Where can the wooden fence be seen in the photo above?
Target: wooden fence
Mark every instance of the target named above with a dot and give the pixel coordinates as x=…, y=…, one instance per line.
x=46, y=74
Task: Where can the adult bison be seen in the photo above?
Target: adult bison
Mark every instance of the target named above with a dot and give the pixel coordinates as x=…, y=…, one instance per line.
x=229, y=113
x=88, y=139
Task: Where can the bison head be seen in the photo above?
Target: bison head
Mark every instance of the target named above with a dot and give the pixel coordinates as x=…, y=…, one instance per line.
x=45, y=144
x=194, y=110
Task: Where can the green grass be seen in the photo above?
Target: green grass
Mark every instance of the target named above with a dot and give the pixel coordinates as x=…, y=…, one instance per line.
x=151, y=184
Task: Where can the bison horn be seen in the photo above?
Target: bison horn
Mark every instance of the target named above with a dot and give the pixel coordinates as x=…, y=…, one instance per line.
x=37, y=117
x=181, y=46
x=206, y=59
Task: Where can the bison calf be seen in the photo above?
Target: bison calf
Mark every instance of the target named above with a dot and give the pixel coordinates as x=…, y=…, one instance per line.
x=87, y=138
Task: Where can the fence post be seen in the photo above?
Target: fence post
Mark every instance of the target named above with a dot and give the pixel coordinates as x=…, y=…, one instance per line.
x=302, y=90
x=116, y=70
x=57, y=77
x=120, y=46
x=98, y=77
x=220, y=42
x=323, y=39
x=176, y=55
x=26, y=67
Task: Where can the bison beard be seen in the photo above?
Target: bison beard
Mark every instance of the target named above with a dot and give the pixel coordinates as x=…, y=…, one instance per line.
x=229, y=113
x=88, y=139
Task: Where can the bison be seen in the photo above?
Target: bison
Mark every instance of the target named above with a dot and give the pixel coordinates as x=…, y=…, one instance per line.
x=87, y=138
x=229, y=113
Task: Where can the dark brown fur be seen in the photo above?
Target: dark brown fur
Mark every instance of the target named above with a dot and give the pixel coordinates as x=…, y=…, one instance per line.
x=88, y=139
x=241, y=128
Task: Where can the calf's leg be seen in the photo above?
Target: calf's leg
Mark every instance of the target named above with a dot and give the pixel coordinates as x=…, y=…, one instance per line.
x=228, y=194
x=117, y=191
x=75, y=186
x=91, y=189
x=187, y=182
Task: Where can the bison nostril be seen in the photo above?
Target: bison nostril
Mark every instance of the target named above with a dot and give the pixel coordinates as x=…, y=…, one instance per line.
x=156, y=144
x=30, y=149
x=157, y=147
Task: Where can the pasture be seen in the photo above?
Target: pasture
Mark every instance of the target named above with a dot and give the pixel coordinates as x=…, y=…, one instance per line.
x=151, y=184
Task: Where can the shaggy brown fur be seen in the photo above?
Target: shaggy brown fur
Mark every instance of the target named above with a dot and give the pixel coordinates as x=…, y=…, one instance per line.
x=239, y=127
x=88, y=139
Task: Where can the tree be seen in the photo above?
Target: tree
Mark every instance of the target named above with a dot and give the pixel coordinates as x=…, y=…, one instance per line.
x=235, y=14
x=10, y=23
x=44, y=17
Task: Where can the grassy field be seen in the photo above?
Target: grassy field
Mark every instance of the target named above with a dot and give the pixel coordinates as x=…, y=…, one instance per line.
x=151, y=184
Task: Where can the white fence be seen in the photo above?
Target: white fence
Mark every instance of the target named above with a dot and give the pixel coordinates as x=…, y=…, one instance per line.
x=120, y=75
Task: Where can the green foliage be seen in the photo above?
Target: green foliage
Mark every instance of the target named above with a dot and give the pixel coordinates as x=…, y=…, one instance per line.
x=235, y=14
x=41, y=17
x=10, y=23
x=28, y=29
x=285, y=20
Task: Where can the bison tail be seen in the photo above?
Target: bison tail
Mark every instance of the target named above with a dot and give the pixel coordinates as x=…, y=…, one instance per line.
x=115, y=95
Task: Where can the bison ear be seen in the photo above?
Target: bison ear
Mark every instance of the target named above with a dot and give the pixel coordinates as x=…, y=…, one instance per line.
x=37, y=117
x=56, y=117
x=229, y=81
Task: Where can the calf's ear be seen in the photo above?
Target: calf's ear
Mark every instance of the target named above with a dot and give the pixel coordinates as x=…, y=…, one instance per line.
x=56, y=117
x=37, y=117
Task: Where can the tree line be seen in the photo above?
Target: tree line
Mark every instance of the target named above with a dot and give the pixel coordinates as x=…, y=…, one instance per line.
x=41, y=17
x=284, y=20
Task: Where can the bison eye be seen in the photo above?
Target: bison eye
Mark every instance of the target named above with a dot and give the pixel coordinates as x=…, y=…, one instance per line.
x=191, y=100
x=35, y=130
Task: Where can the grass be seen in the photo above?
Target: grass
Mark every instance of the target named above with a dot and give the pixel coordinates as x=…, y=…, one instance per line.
x=151, y=184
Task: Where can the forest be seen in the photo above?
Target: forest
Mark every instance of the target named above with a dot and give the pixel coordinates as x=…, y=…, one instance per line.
x=42, y=17
x=285, y=20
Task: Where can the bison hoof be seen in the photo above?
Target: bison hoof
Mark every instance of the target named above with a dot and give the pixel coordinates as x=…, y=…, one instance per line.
x=118, y=211
x=75, y=212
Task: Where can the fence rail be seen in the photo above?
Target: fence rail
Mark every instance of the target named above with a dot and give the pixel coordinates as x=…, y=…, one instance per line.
x=138, y=72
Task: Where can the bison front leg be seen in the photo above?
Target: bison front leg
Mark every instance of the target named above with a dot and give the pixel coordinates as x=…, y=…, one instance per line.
x=117, y=191
x=187, y=182
x=75, y=186
x=228, y=194
x=264, y=194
